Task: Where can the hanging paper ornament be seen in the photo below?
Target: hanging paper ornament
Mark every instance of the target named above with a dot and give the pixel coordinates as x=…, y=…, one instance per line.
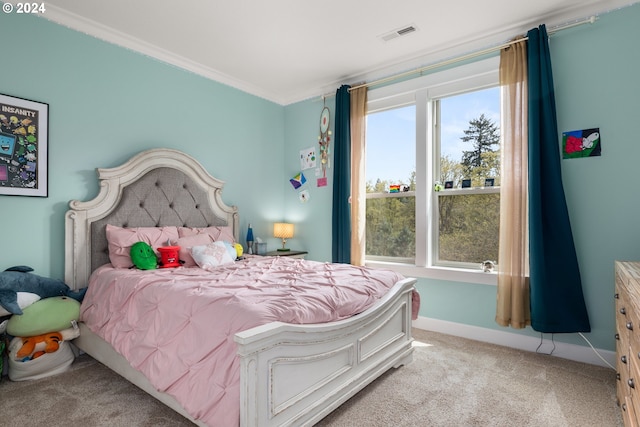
x=324, y=139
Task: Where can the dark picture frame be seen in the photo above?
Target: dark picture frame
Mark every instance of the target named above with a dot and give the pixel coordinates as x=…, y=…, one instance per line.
x=24, y=147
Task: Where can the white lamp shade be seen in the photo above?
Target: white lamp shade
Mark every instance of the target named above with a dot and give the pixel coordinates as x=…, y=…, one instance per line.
x=283, y=230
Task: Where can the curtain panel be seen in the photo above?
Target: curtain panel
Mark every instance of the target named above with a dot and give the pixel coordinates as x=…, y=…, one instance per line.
x=557, y=301
x=512, y=308
x=341, y=211
x=358, y=174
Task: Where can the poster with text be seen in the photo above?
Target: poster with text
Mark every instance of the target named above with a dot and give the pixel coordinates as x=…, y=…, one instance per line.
x=23, y=147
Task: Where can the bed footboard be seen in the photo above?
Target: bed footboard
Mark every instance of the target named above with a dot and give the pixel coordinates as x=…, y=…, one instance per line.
x=297, y=374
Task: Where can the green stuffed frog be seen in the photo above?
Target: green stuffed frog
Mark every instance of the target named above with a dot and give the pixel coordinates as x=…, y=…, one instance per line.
x=143, y=256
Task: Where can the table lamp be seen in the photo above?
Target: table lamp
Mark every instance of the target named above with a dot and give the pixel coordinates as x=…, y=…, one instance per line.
x=283, y=231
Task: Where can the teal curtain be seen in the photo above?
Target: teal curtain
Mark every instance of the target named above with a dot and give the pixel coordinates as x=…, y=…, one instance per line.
x=341, y=219
x=557, y=302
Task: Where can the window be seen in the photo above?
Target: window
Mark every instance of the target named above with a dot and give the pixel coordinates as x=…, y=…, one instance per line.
x=437, y=132
x=391, y=165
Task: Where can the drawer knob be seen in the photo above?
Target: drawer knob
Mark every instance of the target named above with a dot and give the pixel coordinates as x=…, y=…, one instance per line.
x=623, y=359
x=630, y=326
x=630, y=382
x=623, y=311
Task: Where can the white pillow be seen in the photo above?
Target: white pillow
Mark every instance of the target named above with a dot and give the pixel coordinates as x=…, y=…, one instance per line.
x=211, y=255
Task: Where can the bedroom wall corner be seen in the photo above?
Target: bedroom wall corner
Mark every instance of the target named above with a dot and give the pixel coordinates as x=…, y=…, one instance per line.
x=313, y=216
x=107, y=103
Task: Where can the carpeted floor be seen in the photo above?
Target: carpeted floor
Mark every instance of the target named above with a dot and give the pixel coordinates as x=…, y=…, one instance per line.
x=451, y=382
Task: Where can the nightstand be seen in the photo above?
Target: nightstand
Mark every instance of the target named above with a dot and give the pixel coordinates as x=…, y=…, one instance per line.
x=292, y=254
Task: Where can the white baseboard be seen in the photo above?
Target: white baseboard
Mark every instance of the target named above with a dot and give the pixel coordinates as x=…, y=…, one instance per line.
x=522, y=342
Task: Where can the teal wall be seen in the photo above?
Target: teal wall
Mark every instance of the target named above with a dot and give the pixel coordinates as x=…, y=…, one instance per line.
x=107, y=103
x=313, y=218
x=595, y=72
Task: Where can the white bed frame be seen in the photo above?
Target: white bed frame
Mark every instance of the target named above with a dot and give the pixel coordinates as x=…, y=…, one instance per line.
x=291, y=375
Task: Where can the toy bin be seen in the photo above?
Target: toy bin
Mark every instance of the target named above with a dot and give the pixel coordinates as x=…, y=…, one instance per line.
x=46, y=365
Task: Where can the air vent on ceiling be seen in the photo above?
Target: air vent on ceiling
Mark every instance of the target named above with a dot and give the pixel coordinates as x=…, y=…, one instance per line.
x=398, y=32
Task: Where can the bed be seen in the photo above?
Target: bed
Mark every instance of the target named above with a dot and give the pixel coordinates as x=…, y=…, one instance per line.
x=289, y=373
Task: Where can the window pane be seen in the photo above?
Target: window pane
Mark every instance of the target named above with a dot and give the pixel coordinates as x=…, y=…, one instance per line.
x=469, y=220
x=390, y=228
x=470, y=137
x=390, y=167
x=469, y=226
x=391, y=147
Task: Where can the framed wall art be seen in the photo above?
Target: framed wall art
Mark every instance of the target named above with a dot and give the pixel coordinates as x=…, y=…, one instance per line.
x=24, y=143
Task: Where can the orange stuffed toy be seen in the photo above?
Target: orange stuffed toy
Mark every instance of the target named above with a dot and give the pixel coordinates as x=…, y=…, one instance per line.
x=50, y=340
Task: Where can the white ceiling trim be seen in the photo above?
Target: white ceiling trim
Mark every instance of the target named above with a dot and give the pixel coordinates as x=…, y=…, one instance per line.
x=445, y=52
x=110, y=35
x=487, y=41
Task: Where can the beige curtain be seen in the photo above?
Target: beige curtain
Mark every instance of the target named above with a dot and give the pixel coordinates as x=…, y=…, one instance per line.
x=358, y=177
x=513, y=262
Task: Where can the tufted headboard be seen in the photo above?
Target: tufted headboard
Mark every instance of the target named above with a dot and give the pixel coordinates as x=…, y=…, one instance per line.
x=160, y=187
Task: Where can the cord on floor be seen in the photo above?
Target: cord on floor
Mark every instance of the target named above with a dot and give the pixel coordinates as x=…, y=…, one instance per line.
x=583, y=337
x=596, y=351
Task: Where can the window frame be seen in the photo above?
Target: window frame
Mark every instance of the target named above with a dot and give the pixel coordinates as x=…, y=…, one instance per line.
x=422, y=92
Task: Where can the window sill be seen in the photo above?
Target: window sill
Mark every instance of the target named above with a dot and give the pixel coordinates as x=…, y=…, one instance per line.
x=440, y=273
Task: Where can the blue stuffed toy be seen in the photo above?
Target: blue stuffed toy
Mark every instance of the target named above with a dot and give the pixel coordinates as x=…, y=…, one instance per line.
x=19, y=279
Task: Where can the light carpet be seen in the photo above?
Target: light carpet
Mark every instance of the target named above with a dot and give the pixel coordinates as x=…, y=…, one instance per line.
x=451, y=382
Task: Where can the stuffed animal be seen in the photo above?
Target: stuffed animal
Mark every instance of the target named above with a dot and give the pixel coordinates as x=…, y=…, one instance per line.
x=25, y=299
x=143, y=256
x=44, y=316
x=29, y=348
x=51, y=343
x=19, y=279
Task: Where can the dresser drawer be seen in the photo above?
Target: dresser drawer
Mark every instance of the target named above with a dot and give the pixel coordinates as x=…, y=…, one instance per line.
x=623, y=305
x=627, y=312
x=628, y=413
x=622, y=371
x=634, y=383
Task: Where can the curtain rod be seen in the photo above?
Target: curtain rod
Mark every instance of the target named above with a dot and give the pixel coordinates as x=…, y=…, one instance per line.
x=589, y=20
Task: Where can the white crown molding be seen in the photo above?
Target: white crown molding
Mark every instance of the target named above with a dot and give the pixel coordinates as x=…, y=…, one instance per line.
x=574, y=352
x=110, y=35
x=446, y=51
x=469, y=45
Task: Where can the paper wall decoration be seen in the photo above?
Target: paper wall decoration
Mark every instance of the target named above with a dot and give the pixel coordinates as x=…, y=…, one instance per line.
x=298, y=180
x=581, y=143
x=308, y=158
x=324, y=139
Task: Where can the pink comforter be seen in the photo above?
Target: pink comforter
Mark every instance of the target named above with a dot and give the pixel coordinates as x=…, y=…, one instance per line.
x=177, y=326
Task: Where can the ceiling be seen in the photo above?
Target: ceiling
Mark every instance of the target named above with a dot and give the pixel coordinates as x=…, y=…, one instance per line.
x=290, y=50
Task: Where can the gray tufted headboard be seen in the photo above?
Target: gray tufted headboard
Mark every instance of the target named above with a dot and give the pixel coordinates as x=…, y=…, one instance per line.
x=155, y=188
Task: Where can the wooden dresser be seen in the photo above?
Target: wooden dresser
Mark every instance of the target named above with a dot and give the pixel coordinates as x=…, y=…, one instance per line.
x=627, y=297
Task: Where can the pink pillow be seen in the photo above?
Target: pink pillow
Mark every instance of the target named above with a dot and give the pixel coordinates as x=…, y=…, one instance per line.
x=121, y=239
x=223, y=233
x=186, y=243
